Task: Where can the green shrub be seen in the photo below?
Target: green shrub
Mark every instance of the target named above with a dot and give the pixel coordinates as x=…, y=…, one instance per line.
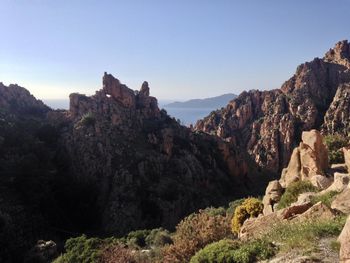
x=293, y=191
x=251, y=207
x=232, y=207
x=334, y=144
x=137, y=238
x=254, y=251
x=83, y=249
x=326, y=198
x=158, y=237
x=88, y=119
x=229, y=251
x=219, y=252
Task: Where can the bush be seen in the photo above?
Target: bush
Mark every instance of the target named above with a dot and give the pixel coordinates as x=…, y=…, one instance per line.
x=326, y=198
x=254, y=251
x=118, y=254
x=229, y=251
x=193, y=233
x=232, y=207
x=293, y=191
x=251, y=207
x=137, y=238
x=158, y=238
x=334, y=144
x=219, y=252
x=88, y=119
x=83, y=249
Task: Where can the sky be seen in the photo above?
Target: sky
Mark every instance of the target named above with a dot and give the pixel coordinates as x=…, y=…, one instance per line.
x=185, y=48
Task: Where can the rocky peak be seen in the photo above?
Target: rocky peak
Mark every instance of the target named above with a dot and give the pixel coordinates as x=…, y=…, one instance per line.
x=18, y=100
x=144, y=91
x=269, y=124
x=114, y=100
x=118, y=91
x=340, y=54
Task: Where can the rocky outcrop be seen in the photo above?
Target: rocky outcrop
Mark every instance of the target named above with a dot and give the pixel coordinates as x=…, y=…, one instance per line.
x=272, y=196
x=309, y=162
x=116, y=100
x=342, y=202
x=18, y=100
x=340, y=54
x=318, y=211
x=268, y=124
x=294, y=214
x=340, y=182
x=147, y=169
x=337, y=117
x=344, y=240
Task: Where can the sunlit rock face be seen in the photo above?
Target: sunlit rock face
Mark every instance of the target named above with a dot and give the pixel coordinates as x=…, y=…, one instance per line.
x=268, y=124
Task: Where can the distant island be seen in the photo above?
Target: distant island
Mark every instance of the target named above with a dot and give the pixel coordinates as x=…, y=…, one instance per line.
x=213, y=102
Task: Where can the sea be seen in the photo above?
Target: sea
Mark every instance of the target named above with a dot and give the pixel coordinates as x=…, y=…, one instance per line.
x=187, y=116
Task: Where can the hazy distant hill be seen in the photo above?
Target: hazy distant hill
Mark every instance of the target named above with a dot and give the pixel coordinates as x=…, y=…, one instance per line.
x=214, y=102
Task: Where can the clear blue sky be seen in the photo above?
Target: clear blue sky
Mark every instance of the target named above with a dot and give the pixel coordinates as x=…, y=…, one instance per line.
x=184, y=49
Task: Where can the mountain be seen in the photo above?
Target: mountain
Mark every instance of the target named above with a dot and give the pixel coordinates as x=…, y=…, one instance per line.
x=211, y=103
x=268, y=124
x=114, y=162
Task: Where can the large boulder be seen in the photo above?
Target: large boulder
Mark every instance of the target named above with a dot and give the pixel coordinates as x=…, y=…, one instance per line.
x=272, y=196
x=341, y=181
x=342, y=202
x=318, y=211
x=314, y=140
x=344, y=240
x=308, y=162
x=258, y=226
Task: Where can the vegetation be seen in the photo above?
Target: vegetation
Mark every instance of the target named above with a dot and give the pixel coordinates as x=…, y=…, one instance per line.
x=251, y=207
x=88, y=119
x=304, y=235
x=232, y=207
x=334, y=144
x=83, y=249
x=326, y=198
x=193, y=233
x=229, y=251
x=158, y=238
x=293, y=191
x=147, y=238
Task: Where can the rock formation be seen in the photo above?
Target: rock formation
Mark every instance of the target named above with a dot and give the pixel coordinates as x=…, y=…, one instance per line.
x=268, y=124
x=309, y=162
x=272, y=196
x=148, y=170
x=16, y=99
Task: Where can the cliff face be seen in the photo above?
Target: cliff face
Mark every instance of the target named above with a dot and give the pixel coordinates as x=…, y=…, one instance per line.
x=268, y=124
x=148, y=169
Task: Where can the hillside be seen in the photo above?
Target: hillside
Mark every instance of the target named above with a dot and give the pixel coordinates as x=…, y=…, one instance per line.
x=114, y=162
x=211, y=103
